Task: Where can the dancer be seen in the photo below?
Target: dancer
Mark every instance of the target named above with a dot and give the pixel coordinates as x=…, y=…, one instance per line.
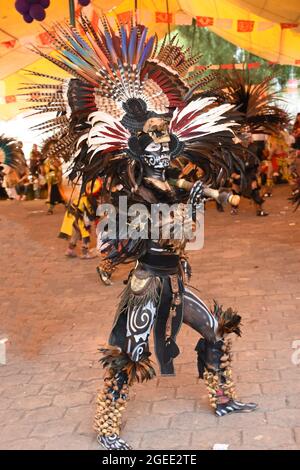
x=78, y=219
x=137, y=111
x=35, y=160
x=3, y=192
x=258, y=116
x=13, y=166
x=53, y=174
x=12, y=156
x=251, y=187
x=76, y=226
x=255, y=101
x=295, y=197
x=296, y=134
x=278, y=150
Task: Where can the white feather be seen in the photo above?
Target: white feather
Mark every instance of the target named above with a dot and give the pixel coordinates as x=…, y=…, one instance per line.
x=99, y=141
x=80, y=140
x=208, y=122
x=100, y=116
x=196, y=105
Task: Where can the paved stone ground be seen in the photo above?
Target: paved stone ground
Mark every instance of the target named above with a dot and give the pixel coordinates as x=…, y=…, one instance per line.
x=55, y=314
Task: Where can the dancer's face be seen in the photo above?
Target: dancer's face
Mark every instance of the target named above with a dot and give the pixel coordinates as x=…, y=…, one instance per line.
x=157, y=152
x=157, y=155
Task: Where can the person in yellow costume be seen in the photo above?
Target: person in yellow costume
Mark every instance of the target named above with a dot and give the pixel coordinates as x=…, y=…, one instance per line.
x=52, y=168
x=77, y=225
x=278, y=150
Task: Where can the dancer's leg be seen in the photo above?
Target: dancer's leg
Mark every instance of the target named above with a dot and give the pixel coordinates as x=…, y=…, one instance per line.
x=214, y=352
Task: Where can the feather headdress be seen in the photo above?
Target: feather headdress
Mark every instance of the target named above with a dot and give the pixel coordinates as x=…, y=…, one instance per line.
x=12, y=155
x=117, y=73
x=256, y=101
x=120, y=80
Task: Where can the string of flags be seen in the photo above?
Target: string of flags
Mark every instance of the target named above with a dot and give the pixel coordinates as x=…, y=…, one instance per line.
x=242, y=26
x=40, y=40
x=181, y=18
x=43, y=39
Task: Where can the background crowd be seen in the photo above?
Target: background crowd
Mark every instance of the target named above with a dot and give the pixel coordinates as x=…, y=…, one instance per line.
x=276, y=160
x=41, y=177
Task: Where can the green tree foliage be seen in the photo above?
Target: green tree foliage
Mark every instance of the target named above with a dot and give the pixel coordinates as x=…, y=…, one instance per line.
x=216, y=50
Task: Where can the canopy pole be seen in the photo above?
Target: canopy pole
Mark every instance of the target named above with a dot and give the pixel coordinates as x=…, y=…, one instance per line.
x=135, y=10
x=72, y=12
x=168, y=13
x=194, y=34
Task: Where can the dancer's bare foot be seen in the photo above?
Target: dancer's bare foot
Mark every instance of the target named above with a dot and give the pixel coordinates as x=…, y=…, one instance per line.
x=70, y=253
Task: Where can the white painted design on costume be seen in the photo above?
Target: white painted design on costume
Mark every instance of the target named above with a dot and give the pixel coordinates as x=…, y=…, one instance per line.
x=193, y=301
x=196, y=300
x=187, y=291
x=138, y=351
x=140, y=318
x=139, y=324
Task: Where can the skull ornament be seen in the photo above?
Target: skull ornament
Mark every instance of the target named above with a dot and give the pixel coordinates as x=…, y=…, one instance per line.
x=154, y=145
x=157, y=153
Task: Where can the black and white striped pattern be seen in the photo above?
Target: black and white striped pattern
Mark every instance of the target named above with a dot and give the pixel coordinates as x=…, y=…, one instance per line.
x=197, y=315
x=113, y=442
x=234, y=406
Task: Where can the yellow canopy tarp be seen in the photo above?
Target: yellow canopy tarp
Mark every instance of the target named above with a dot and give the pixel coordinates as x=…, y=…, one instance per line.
x=268, y=38
x=273, y=36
